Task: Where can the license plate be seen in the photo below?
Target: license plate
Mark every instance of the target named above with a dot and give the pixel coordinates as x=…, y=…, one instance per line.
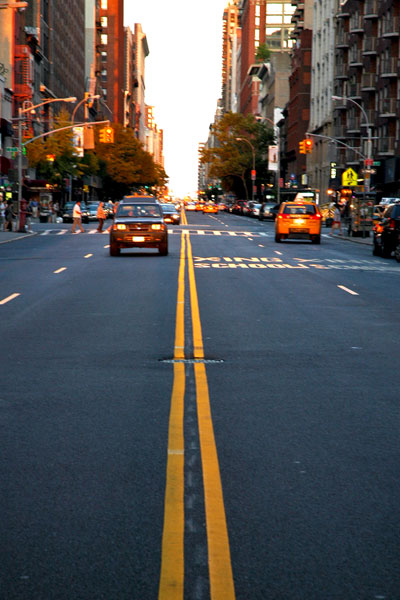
x=138, y=238
x=298, y=230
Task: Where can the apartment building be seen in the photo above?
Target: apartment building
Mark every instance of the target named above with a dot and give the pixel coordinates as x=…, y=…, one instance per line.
x=262, y=22
x=230, y=24
x=367, y=83
x=112, y=52
x=141, y=51
x=293, y=164
x=321, y=163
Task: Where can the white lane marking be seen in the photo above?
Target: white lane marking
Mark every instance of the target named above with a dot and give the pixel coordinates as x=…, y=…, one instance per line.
x=107, y=246
x=345, y=289
x=261, y=246
x=60, y=270
x=92, y=231
x=250, y=239
x=88, y=255
x=277, y=252
x=62, y=232
x=9, y=298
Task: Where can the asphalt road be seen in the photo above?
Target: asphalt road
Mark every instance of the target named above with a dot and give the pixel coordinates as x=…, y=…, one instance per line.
x=295, y=351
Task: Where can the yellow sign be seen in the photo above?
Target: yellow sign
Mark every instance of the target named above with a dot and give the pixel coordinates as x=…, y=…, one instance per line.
x=349, y=178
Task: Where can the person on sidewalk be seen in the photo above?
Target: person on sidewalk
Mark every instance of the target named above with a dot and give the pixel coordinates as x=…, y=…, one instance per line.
x=77, y=217
x=9, y=216
x=337, y=220
x=2, y=215
x=101, y=215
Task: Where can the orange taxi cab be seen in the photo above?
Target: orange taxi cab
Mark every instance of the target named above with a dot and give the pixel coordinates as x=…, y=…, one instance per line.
x=199, y=205
x=210, y=208
x=298, y=220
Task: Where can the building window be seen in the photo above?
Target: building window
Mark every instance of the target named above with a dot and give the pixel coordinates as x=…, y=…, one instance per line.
x=104, y=75
x=104, y=39
x=104, y=21
x=274, y=8
x=104, y=56
x=104, y=4
x=257, y=34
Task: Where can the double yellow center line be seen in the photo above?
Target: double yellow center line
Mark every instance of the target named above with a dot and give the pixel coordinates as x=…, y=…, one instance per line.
x=172, y=558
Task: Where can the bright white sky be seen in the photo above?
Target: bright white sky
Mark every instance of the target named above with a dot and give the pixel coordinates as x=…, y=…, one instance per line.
x=183, y=77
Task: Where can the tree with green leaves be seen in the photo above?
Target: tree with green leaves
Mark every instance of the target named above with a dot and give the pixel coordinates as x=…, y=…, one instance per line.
x=231, y=160
x=263, y=54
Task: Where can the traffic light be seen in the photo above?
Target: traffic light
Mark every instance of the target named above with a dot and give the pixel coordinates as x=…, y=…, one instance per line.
x=102, y=135
x=302, y=147
x=308, y=146
x=109, y=135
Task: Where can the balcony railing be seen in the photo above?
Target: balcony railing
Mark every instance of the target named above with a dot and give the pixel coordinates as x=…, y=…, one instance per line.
x=355, y=57
x=388, y=107
x=355, y=90
x=371, y=117
x=368, y=81
x=371, y=9
x=340, y=131
x=342, y=71
x=353, y=124
x=386, y=145
x=389, y=67
x=356, y=24
x=369, y=45
x=353, y=156
x=342, y=40
x=390, y=27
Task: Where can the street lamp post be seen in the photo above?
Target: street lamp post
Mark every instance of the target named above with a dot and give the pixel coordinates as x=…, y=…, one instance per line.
x=22, y=111
x=253, y=172
x=368, y=158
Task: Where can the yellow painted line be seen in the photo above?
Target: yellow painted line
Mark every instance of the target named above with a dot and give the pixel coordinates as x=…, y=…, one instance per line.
x=219, y=559
x=88, y=255
x=9, y=298
x=172, y=549
x=60, y=270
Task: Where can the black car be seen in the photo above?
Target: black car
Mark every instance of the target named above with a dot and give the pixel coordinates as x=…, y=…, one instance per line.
x=67, y=212
x=268, y=210
x=171, y=215
x=138, y=223
x=387, y=233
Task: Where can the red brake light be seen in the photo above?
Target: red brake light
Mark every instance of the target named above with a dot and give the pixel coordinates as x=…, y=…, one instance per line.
x=392, y=224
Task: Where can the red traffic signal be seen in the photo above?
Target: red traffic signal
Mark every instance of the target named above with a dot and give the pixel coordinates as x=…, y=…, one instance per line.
x=308, y=144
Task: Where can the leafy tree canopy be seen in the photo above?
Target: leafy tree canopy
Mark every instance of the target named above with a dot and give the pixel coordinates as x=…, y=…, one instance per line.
x=231, y=159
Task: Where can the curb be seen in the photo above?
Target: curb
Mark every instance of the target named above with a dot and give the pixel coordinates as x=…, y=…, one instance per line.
x=15, y=236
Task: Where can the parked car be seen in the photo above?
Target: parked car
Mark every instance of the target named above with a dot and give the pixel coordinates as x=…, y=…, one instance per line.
x=171, y=215
x=255, y=210
x=268, y=210
x=298, y=220
x=387, y=233
x=239, y=206
x=67, y=212
x=92, y=211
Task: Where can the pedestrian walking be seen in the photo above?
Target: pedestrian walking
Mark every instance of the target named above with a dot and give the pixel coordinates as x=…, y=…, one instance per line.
x=101, y=215
x=337, y=220
x=9, y=216
x=77, y=217
x=2, y=214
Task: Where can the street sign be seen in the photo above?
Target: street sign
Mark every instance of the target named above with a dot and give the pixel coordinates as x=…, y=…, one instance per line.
x=349, y=178
x=368, y=162
x=12, y=149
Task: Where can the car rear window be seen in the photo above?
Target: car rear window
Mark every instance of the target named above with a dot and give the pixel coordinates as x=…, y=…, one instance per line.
x=138, y=210
x=299, y=209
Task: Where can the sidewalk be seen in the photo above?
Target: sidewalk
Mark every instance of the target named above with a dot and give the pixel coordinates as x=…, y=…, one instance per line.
x=368, y=241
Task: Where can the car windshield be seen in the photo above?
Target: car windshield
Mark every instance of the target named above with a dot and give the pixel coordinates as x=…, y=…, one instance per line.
x=299, y=209
x=138, y=210
x=168, y=208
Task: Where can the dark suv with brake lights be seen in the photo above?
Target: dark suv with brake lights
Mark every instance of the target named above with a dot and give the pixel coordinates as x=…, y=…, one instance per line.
x=387, y=233
x=138, y=223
